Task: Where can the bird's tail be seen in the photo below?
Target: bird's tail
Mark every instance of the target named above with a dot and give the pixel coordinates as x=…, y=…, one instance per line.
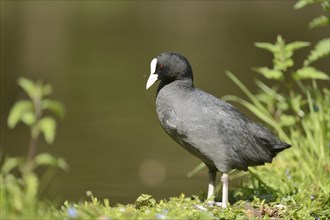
x=280, y=147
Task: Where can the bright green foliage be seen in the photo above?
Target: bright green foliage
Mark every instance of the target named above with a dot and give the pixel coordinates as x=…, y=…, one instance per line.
x=270, y=73
x=321, y=49
x=302, y=3
x=282, y=60
x=297, y=109
x=55, y=106
x=282, y=57
x=145, y=200
x=20, y=185
x=320, y=21
x=31, y=111
x=308, y=72
x=183, y=207
x=19, y=193
x=301, y=117
x=21, y=111
x=47, y=126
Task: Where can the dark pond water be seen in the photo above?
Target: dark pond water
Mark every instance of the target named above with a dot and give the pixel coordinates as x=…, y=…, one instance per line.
x=96, y=54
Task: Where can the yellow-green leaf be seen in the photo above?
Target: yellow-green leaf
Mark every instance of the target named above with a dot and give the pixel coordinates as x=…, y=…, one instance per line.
x=287, y=120
x=29, y=118
x=31, y=184
x=45, y=159
x=54, y=106
x=47, y=90
x=269, y=73
x=9, y=164
x=321, y=49
x=17, y=112
x=310, y=73
x=267, y=46
x=47, y=126
x=319, y=21
x=28, y=86
x=296, y=45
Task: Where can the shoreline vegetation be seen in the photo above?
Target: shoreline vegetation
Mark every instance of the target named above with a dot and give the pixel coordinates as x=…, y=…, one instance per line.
x=290, y=101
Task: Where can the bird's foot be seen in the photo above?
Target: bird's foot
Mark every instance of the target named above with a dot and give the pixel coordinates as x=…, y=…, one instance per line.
x=200, y=207
x=211, y=204
x=218, y=204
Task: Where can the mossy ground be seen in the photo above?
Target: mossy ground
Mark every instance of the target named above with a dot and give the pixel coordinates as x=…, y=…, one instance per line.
x=183, y=207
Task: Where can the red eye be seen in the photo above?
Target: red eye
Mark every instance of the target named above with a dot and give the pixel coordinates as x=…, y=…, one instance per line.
x=161, y=66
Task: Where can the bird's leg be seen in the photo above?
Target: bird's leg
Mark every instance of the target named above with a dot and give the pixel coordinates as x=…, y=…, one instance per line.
x=210, y=191
x=224, y=180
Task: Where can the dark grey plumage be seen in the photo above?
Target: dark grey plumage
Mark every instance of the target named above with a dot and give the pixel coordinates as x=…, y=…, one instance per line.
x=213, y=130
x=208, y=127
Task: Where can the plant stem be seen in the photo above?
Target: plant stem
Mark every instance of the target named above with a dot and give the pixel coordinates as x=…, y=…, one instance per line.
x=34, y=130
x=32, y=148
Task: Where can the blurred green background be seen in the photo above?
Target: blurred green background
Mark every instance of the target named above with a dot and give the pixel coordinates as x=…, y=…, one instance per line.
x=96, y=54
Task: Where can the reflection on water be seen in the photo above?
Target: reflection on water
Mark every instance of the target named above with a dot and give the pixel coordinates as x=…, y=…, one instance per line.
x=97, y=55
x=152, y=172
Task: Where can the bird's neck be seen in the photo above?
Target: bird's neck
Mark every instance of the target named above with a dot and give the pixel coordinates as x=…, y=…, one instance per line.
x=184, y=83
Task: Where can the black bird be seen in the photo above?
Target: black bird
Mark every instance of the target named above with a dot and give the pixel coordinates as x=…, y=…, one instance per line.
x=209, y=128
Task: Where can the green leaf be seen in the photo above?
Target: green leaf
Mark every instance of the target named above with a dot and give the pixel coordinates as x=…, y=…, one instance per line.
x=287, y=120
x=309, y=73
x=198, y=168
x=61, y=163
x=282, y=106
x=296, y=45
x=282, y=64
x=47, y=126
x=296, y=103
x=250, y=95
x=321, y=49
x=145, y=200
x=54, y=106
x=31, y=183
x=267, y=46
x=269, y=73
x=29, y=118
x=319, y=21
x=47, y=90
x=302, y=3
x=325, y=4
x=28, y=86
x=9, y=164
x=271, y=91
x=280, y=41
x=18, y=111
x=45, y=159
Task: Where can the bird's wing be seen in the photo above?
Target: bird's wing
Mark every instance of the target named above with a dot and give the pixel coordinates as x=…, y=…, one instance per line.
x=226, y=133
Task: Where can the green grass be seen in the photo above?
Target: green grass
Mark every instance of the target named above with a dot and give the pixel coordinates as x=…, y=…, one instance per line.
x=181, y=207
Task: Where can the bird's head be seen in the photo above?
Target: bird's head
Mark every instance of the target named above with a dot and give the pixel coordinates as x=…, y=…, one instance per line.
x=168, y=67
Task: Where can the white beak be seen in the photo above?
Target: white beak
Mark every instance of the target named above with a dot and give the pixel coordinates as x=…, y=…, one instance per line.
x=153, y=77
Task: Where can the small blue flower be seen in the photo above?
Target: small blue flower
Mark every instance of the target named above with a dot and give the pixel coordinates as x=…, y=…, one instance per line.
x=72, y=212
x=312, y=197
x=160, y=216
x=287, y=172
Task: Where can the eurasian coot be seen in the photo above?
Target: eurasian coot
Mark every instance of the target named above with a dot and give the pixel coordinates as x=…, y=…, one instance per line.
x=209, y=128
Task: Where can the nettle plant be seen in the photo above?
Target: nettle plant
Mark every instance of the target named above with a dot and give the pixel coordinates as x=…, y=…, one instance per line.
x=20, y=184
x=31, y=112
x=296, y=108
